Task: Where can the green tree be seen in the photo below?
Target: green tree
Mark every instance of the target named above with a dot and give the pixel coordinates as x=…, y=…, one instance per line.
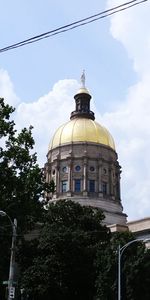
x=22, y=183
x=62, y=265
x=135, y=271
x=75, y=257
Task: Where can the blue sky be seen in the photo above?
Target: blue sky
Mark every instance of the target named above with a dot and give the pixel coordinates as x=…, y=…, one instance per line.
x=41, y=79
x=40, y=65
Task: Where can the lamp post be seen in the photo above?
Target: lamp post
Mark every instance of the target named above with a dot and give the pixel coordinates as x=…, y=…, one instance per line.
x=11, y=290
x=120, y=252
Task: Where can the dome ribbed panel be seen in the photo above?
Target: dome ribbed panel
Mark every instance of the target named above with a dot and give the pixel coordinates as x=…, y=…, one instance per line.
x=82, y=130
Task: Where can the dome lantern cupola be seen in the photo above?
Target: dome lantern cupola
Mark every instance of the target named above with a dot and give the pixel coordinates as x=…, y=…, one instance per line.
x=82, y=100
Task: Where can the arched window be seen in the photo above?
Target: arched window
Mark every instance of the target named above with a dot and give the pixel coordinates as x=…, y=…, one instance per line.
x=104, y=188
x=77, y=186
x=92, y=186
x=64, y=185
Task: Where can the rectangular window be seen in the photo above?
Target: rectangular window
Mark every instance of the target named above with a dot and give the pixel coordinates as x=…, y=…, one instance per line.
x=77, y=185
x=64, y=186
x=104, y=188
x=92, y=186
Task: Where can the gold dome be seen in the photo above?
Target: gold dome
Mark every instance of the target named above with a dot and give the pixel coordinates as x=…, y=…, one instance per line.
x=82, y=130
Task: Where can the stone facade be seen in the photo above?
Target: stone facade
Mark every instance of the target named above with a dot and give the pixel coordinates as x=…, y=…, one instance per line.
x=141, y=228
x=90, y=174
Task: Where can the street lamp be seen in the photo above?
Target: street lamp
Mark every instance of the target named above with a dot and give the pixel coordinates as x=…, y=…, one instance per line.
x=11, y=290
x=120, y=252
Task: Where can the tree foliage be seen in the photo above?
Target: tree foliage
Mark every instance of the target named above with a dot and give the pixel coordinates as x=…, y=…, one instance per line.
x=22, y=183
x=63, y=266
x=135, y=279
x=21, y=180
x=75, y=257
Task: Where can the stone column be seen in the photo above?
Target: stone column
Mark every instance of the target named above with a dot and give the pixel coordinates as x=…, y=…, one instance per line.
x=110, y=181
x=57, y=176
x=100, y=179
x=69, y=178
x=118, y=187
x=118, y=192
x=48, y=177
x=85, y=192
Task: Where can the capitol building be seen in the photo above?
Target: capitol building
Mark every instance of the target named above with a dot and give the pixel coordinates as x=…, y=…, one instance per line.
x=83, y=162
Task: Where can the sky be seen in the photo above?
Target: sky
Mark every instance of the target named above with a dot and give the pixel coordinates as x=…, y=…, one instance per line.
x=40, y=79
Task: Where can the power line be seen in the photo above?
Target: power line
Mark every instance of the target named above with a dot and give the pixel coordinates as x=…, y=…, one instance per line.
x=74, y=25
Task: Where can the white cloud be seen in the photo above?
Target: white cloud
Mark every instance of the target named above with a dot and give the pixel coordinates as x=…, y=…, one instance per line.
x=7, y=89
x=131, y=28
x=130, y=124
x=47, y=113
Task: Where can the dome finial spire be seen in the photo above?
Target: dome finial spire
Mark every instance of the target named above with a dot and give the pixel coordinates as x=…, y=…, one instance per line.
x=83, y=79
x=82, y=101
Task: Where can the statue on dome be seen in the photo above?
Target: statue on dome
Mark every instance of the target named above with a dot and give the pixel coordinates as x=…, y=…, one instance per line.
x=83, y=79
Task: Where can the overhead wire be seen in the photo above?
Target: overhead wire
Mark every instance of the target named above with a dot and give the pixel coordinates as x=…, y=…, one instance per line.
x=75, y=24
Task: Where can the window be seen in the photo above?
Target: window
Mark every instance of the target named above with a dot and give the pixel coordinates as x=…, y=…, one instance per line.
x=77, y=168
x=64, y=186
x=64, y=169
x=105, y=171
x=77, y=185
x=92, y=169
x=92, y=186
x=104, y=188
